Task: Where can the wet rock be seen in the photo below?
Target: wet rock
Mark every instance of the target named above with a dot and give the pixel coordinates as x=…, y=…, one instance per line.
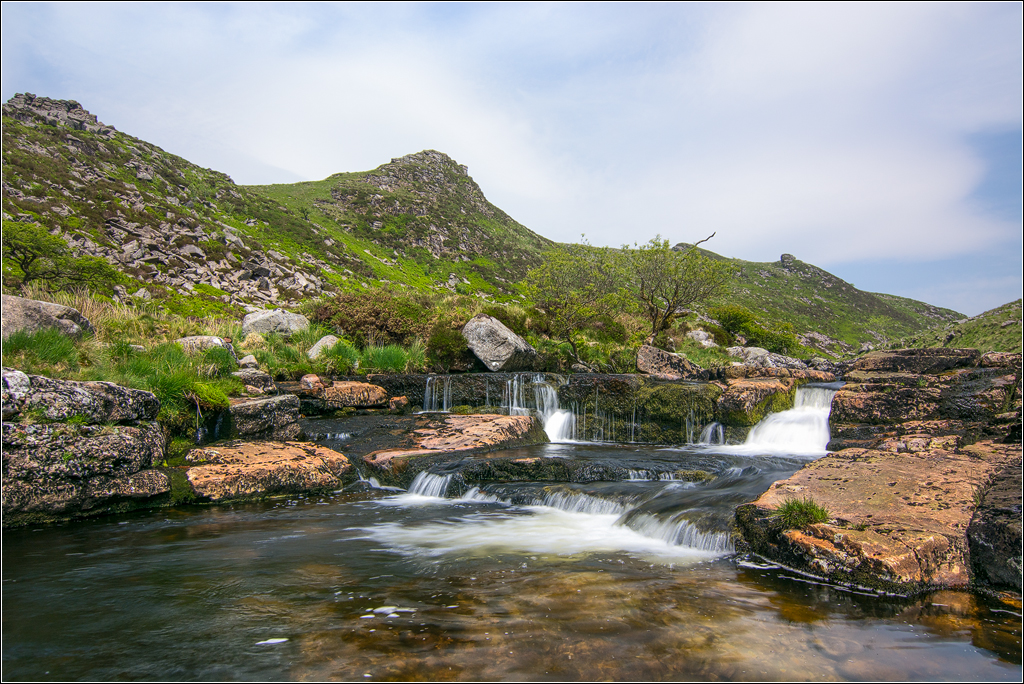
x=398, y=403
x=87, y=402
x=61, y=471
x=274, y=418
x=29, y=315
x=459, y=434
x=496, y=346
x=274, y=321
x=994, y=535
x=322, y=345
x=312, y=382
x=666, y=365
x=898, y=519
x=253, y=470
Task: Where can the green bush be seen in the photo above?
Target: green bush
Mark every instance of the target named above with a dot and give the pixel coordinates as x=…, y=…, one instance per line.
x=446, y=347
x=798, y=513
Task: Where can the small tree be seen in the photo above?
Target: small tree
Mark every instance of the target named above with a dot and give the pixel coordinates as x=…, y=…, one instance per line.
x=662, y=282
x=575, y=285
x=30, y=253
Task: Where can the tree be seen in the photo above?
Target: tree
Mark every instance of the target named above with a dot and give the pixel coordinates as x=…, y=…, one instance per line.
x=30, y=254
x=662, y=282
x=575, y=285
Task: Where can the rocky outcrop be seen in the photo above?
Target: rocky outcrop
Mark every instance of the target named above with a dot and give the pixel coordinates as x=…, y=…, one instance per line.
x=897, y=520
x=29, y=315
x=917, y=361
x=666, y=365
x=275, y=418
x=496, y=346
x=100, y=460
x=762, y=358
x=255, y=470
x=42, y=398
x=274, y=321
x=994, y=535
x=66, y=113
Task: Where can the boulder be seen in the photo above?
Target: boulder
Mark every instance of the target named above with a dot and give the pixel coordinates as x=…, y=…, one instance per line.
x=666, y=365
x=20, y=314
x=746, y=401
x=248, y=361
x=255, y=379
x=704, y=339
x=197, y=344
x=762, y=358
x=275, y=418
x=87, y=402
x=398, y=403
x=322, y=345
x=252, y=470
x=496, y=346
x=62, y=471
x=274, y=321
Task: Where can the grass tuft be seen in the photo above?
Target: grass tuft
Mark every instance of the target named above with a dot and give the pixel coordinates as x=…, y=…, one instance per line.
x=798, y=513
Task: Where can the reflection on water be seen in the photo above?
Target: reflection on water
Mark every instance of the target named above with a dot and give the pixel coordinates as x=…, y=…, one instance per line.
x=603, y=580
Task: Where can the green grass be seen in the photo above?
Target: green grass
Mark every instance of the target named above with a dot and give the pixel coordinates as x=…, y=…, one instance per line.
x=799, y=513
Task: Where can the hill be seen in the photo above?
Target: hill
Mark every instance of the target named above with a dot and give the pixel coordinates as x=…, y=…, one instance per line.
x=996, y=330
x=201, y=245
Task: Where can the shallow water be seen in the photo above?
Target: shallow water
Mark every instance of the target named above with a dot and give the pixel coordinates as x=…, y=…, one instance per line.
x=626, y=580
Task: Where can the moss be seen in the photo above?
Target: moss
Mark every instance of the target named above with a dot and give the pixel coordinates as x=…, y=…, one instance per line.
x=181, y=489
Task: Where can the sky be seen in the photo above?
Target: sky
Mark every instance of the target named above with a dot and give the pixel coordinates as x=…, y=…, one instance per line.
x=881, y=142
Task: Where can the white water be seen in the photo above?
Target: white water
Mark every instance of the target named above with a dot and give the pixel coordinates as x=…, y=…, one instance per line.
x=803, y=430
x=712, y=434
x=559, y=424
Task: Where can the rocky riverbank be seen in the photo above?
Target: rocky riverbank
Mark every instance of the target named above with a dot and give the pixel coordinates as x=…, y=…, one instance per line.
x=923, y=486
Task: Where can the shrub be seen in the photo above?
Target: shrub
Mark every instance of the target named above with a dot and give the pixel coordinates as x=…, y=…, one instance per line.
x=797, y=513
x=446, y=347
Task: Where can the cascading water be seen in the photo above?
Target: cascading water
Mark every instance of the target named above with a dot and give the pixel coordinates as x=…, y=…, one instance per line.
x=802, y=430
x=437, y=401
x=559, y=424
x=712, y=434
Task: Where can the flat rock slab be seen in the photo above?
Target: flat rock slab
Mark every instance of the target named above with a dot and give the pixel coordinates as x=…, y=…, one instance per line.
x=898, y=518
x=463, y=434
x=253, y=470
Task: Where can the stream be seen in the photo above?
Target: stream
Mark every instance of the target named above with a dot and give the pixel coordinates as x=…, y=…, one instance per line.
x=634, y=578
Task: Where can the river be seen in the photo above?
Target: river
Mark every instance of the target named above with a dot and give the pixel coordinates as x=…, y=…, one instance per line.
x=634, y=579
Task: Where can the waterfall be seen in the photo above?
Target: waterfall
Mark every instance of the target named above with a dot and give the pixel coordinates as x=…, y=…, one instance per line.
x=428, y=484
x=680, y=533
x=714, y=433
x=434, y=400
x=559, y=424
x=801, y=430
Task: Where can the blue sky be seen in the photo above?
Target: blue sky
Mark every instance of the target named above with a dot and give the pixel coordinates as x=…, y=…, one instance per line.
x=880, y=142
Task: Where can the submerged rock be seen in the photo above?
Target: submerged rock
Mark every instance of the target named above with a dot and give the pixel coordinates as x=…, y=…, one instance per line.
x=253, y=470
x=496, y=346
x=29, y=315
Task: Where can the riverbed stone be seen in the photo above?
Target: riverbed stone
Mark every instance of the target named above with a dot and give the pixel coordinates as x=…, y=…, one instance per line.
x=496, y=346
x=29, y=315
x=253, y=470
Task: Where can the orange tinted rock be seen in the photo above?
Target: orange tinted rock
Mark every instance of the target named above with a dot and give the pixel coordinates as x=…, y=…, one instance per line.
x=345, y=393
x=249, y=470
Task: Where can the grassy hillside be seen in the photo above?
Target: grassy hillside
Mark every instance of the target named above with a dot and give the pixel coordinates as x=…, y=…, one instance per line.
x=996, y=330
x=828, y=313
x=197, y=244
